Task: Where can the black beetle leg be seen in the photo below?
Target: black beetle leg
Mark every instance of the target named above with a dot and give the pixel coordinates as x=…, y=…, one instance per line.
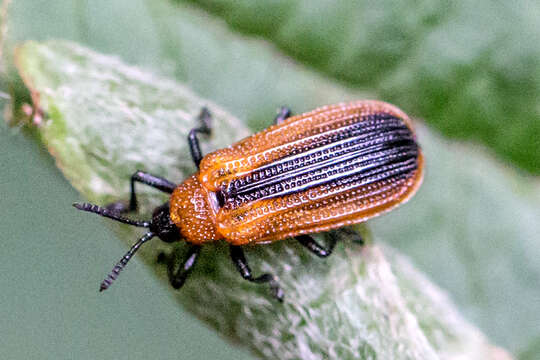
x=283, y=113
x=352, y=234
x=178, y=277
x=239, y=259
x=205, y=119
x=315, y=247
x=147, y=179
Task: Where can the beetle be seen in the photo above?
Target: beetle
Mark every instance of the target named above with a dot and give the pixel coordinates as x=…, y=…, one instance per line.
x=335, y=166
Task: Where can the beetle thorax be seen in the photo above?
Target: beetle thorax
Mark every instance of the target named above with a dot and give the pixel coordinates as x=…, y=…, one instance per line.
x=192, y=211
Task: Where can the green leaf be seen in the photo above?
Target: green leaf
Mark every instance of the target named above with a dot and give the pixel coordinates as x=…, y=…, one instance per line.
x=467, y=68
x=105, y=118
x=473, y=227
x=86, y=97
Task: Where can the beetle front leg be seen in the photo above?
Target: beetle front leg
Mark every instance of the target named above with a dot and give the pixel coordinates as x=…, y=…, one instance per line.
x=178, y=278
x=205, y=118
x=156, y=182
x=283, y=113
x=315, y=247
x=239, y=259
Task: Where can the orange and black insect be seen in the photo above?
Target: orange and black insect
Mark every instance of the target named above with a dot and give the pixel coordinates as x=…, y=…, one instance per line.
x=335, y=166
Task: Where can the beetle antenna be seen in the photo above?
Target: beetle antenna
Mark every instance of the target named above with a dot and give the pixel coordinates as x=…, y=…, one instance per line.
x=110, y=214
x=123, y=262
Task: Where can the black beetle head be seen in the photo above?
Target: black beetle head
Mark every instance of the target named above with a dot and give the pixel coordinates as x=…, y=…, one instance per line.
x=162, y=225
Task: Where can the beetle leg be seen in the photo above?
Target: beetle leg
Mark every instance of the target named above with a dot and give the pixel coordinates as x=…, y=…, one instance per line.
x=239, y=259
x=178, y=277
x=315, y=247
x=351, y=233
x=205, y=118
x=282, y=114
x=147, y=179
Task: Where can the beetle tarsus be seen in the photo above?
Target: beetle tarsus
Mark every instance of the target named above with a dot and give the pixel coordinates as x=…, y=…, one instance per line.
x=178, y=278
x=239, y=259
x=352, y=234
x=205, y=118
x=283, y=113
x=317, y=248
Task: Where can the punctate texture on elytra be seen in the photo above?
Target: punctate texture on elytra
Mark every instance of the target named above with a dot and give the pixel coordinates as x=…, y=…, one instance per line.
x=337, y=165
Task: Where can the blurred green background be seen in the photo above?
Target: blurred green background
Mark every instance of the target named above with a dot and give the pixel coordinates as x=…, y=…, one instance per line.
x=471, y=70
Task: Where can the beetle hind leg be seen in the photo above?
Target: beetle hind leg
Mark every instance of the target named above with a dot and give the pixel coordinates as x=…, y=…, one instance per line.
x=317, y=248
x=239, y=259
x=282, y=114
x=177, y=277
x=354, y=235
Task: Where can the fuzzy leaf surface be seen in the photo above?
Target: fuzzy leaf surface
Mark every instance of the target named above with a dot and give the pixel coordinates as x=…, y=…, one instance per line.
x=104, y=117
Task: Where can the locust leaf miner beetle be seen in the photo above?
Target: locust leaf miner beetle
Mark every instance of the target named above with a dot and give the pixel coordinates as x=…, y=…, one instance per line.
x=335, y=166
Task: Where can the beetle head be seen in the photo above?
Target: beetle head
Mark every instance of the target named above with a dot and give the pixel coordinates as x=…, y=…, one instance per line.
x=160, y=226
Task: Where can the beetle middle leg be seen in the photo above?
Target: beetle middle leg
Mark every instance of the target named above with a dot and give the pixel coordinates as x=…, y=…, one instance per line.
x=177, y=278
x=283, y=113
x=239, y=259
x=156, y=182
x=315, y=247
x=205, y=119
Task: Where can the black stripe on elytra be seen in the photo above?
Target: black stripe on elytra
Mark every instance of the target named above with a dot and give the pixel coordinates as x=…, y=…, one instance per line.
x=331, y=145
x=368, y=126
x=383, y=147
x=349, y=174
x=322, y=146
x=378, y=146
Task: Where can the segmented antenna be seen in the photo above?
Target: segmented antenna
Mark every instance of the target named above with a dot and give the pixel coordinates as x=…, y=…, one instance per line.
x=110, y=214
x=123, y=262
